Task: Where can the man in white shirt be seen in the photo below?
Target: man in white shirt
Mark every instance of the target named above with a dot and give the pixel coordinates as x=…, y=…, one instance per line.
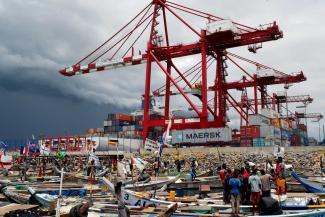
x=255, y=182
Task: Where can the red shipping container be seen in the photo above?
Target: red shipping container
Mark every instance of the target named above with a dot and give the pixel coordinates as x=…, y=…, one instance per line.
x=123, y=117
x=295, y=140
x=246, y=143
x=250, y=131
x=301, y=127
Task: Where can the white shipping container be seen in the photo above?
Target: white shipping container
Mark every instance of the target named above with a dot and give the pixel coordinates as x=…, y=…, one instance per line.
x=221, y=26
x=267, y=131
x=269, y=113
x=177, y=136
x=270, y=132
x=202, y=135
x=109, y=124
x=258, y=120
x=276, y=142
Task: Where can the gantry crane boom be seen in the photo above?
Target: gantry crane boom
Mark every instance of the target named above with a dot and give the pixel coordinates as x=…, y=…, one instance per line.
x=214, y=42
x=308, y=115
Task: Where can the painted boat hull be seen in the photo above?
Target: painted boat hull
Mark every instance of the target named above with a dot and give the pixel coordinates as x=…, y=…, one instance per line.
x=311, y=186
x=151, y=185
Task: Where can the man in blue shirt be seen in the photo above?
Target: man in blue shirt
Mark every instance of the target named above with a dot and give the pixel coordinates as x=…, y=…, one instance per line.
x=235, y=184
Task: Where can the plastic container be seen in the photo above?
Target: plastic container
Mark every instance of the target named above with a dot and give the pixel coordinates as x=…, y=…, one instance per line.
x=179, y=192
x=188, y=177
x=172, y=195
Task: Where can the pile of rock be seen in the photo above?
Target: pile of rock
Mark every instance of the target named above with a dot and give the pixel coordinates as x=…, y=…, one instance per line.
x=304, y=161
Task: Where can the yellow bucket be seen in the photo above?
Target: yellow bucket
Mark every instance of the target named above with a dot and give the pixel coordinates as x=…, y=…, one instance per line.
x=172, y=195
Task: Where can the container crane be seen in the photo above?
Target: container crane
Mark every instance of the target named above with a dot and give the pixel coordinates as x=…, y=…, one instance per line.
x=210, y=43
x=297, y=116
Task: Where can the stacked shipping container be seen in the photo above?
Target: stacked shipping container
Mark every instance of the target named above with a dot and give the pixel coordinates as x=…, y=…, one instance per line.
x=268, y=129
x=122, y=125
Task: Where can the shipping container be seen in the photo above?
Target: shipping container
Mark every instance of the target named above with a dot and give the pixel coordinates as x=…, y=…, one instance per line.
x=276, y=122
x=269, y=113
x=259, y=142
x=305, y=141
x=193, y=136
x=258, y=120
x=245, y=142
x=121, y=117
x=285, y=135
x=295, y=140
x=235, y=138
x=270, y=132
x=277, y=133
x=296, y=132
x=302, y=127
x=250, y=131
x=284, y=124
x=276, y=142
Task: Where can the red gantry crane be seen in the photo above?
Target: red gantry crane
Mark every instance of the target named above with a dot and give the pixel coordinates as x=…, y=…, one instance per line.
x=209, y=46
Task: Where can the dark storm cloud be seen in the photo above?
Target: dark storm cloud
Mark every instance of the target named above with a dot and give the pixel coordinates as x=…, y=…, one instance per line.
x=24, y=115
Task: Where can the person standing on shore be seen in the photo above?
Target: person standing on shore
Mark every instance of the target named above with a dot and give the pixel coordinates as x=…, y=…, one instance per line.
x=255, y=182
x=279, y=174
x=266, y=185
x=194, y=165
x=279, y=167
x=246, y=187
x=156, y=167
x=222, y=174
x=235, y=184
x=227, y=187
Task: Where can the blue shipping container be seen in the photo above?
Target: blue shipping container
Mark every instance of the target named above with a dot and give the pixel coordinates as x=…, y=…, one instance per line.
x=258, y=142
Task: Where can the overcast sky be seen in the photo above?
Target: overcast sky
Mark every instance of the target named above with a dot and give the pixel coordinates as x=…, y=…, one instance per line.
x=38, y=38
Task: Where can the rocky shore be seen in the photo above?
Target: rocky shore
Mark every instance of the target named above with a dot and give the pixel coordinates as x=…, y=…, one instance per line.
x=303, y=159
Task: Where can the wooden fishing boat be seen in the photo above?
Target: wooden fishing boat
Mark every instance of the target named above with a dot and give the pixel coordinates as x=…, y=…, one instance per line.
x=45, y=200
x=311, y=186
x=16, y=197
x=295, y=187
x=136, y=198
x=212, y=181
x=152, y=185
x=30, y=197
